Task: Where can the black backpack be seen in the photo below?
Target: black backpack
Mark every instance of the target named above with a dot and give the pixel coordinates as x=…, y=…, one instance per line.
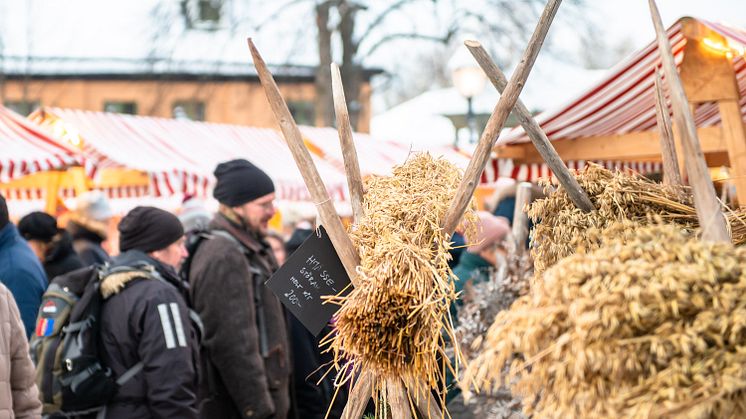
x=65, y=347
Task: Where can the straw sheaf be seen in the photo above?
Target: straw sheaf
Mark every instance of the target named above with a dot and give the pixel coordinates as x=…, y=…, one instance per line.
x=393, y=322
x=652, y=324
x=562, y=228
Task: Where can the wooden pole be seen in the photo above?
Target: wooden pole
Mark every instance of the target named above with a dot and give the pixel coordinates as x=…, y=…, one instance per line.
x=533, y=130
x=397, y=398
x=671, y=171
x=711, y=219
x=352, y=166
x=329, y=218
x=520, y=218
x=734, y=134
x=497, y=120
x=359, y=396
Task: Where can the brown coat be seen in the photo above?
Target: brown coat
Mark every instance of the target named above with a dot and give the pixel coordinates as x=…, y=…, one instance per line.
x=241, y=378
x=19, y=397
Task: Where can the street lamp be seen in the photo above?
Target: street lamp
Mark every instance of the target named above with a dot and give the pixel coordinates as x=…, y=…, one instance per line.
x=469, y=81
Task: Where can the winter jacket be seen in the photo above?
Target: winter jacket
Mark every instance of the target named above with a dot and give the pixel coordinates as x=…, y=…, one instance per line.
x=22, y=273
x=471, y=268
x=309, y=366
x=246, y=369
x=144, y=319
x=19, y=397
x=87, y=244
x=61, y=257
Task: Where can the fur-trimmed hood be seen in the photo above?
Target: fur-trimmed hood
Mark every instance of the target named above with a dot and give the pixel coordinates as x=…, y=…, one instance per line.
x=115, y=282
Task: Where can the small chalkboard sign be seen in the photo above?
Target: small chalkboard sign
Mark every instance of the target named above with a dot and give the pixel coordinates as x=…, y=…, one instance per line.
x=312, y=271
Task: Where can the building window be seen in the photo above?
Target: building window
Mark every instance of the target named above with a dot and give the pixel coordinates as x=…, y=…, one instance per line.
x=203, y=14
x=121, y=107
x=302, y=112
x=192, y=110
x=23, y=107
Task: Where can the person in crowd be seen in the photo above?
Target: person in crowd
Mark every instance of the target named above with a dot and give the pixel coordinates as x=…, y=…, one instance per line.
x=193, y=214
x=145, y=318
x=246, y=360
x=51, y=244
x=19, y=396
x=277, y=243
x=88, y=226
x=480, y=257
x=20, y=270
x=312, y=398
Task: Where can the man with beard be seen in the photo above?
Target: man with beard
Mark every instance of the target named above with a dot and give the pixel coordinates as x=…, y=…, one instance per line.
x=246, y=367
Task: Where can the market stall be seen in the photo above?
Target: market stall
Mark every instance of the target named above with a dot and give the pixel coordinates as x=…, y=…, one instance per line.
x=615, y=121
x=144, y=157
x=32, y=164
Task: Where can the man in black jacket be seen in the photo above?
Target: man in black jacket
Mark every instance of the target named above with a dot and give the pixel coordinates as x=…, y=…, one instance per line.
x=145, y=319
x=246, y=353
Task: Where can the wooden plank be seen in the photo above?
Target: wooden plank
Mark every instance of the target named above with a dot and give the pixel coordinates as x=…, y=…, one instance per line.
x=735, y=139
x=711, y=219
x=328, y=214
x=537, y=136
x=497, y=120
x=636, y=146
x=349, y=154
x=671, y=173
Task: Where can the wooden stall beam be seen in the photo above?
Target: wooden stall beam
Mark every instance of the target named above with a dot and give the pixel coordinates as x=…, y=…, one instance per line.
x=636, y=146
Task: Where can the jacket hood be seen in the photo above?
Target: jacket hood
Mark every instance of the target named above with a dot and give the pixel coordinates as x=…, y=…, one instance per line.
x=135, y=264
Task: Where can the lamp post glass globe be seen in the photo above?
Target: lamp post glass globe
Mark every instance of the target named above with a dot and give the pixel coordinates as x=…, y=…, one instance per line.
x=469, y=81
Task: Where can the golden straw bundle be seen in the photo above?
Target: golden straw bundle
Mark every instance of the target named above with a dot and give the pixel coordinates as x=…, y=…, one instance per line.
x=561, y=228
x=392, y=323
x=652, y=324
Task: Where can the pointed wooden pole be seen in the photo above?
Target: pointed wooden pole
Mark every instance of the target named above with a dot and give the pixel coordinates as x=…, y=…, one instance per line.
x=349, y=154
x=711, y=219
x=533, y=130
x=671, y=170
x=328, y=214
x=520, y=218
x=495, y=124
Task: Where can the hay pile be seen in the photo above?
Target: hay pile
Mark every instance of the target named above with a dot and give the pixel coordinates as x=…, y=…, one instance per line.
x=561, y=228
x=652, y=324
x=392, y=323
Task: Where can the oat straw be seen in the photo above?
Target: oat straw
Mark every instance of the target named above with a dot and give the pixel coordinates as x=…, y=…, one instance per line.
x=393, y=323
x=651, y=324
x=561, y=228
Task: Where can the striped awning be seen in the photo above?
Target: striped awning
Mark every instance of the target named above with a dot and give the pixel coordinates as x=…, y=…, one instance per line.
x=506, y=168
x=25, y=148
x=376, y=156
x=624, y=102
x=180, y=155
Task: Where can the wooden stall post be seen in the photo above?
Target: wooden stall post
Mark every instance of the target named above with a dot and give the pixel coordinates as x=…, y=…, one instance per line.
x=711, y=218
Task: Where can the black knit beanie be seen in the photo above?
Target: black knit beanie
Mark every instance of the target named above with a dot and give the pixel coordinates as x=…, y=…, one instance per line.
x=38, y=226
x=239, y=182
x=148, y=229
x=4, y=218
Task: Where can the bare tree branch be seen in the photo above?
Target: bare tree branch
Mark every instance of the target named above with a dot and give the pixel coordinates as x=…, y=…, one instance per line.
x=416, y=36
x=279, y=11
x=381, y=17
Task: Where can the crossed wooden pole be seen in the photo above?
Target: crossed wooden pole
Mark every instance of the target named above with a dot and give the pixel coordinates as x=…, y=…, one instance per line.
x=401, y=399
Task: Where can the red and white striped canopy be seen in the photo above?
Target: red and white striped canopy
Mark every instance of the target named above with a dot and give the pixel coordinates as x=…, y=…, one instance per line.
x=623, y=102
x=180, y=155
x=376, y=156
x=25, y=148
